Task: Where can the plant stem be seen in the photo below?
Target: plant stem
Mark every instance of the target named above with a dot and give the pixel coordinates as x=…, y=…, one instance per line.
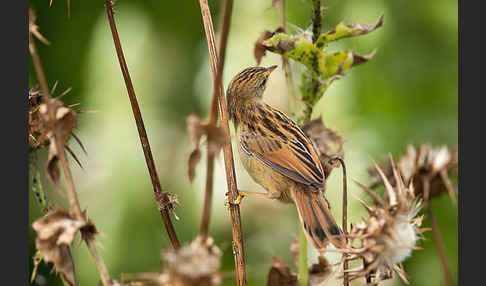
x=71, y=193
x=158, y=193
x=316, y=19
x=286, y=64
x=217, y=67
x=315, y=83
x=440, y=247
x=345, y=218
x=238, y=250
x=303, y=270
x=38, y=67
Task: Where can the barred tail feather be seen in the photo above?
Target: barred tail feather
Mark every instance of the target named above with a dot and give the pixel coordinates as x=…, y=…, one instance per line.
x=319, y=225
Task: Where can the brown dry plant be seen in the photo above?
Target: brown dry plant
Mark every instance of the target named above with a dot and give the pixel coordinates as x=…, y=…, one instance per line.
x=196, y=264
x=428, y=167
x=389, y=234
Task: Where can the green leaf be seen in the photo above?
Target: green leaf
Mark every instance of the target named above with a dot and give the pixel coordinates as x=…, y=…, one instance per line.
x=344, y=31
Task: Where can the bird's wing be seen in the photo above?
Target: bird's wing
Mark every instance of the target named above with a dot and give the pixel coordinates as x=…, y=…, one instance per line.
x=279, y=143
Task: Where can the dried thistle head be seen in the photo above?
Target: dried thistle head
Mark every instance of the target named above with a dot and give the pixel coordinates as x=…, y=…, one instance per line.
x=55, y=233
x=428, y=168
x=51, y=123
x=196, y=264
x=390, y=233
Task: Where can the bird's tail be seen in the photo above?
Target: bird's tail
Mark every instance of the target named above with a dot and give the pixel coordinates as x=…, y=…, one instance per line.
x=319, y=225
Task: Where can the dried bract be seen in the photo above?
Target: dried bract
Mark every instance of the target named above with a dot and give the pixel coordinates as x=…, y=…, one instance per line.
x=37, y=139
x=429, y=168
x=328, y=143
x=57, y=123
x=280, y=274
x=260, y=50
x=390, y=233
x=215, y=139
x=55, y=233
x=320, y=272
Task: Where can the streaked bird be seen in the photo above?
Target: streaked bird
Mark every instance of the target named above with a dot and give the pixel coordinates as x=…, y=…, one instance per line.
x=279, y=156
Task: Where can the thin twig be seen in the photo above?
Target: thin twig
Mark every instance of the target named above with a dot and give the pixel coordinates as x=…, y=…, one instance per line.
x=158, y=193
x=38, y=67
x=71, y=193
x=440, y=247
x=285, y=62
x=217, y=69
x=345, y=218
x=238, y=249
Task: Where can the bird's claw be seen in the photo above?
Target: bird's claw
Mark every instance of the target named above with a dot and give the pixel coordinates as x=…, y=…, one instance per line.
x=236, y=202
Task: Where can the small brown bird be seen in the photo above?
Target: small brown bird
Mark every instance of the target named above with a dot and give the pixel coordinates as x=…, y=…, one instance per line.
x=279, y=156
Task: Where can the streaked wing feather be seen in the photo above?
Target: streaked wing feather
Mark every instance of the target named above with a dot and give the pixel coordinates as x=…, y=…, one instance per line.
x=284, y=147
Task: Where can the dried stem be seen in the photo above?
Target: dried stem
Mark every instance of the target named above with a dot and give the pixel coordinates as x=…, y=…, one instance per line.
x=71, y=192
x=158, y=193
x=38, y=68
x=238, y=249
x=345, y=217
x=217, y=67
x=440, y=247
x=105, y=275
x=285, y=62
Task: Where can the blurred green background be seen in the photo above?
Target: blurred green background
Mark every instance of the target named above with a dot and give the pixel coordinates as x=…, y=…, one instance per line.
x=406, y=94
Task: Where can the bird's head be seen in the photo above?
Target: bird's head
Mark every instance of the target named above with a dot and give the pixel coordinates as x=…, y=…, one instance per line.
x=249, y=83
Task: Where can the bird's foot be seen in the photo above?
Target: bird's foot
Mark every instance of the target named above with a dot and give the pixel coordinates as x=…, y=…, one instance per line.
x=235, y=202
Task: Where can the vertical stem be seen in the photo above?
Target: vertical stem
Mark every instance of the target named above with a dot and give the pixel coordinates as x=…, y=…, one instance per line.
x=345, y=219
x=71, y=192
x=303, y=270
x=38, y=67
x=440, y=247
x=105, y=275
x=316, y=19
x=217, y=69
x=238, y=250
x=164, y=212
x=315, y=83
x=286, y=64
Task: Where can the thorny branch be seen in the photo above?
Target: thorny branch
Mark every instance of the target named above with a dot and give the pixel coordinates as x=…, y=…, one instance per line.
x=164, y=200
x=316, y=20
x=238, y=249
x=217, y=66
x=316, y=32
x=59, y=145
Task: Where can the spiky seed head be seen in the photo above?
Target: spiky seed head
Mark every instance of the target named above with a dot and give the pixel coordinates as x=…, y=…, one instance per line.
x=391, y=232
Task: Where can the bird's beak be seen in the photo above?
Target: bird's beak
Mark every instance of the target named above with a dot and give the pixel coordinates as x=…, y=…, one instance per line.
x=271, y=69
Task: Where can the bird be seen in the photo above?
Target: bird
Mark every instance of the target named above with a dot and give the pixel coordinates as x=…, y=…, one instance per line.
x=278, y=155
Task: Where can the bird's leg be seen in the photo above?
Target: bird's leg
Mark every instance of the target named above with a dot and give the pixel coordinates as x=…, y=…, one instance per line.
x=242, y=194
